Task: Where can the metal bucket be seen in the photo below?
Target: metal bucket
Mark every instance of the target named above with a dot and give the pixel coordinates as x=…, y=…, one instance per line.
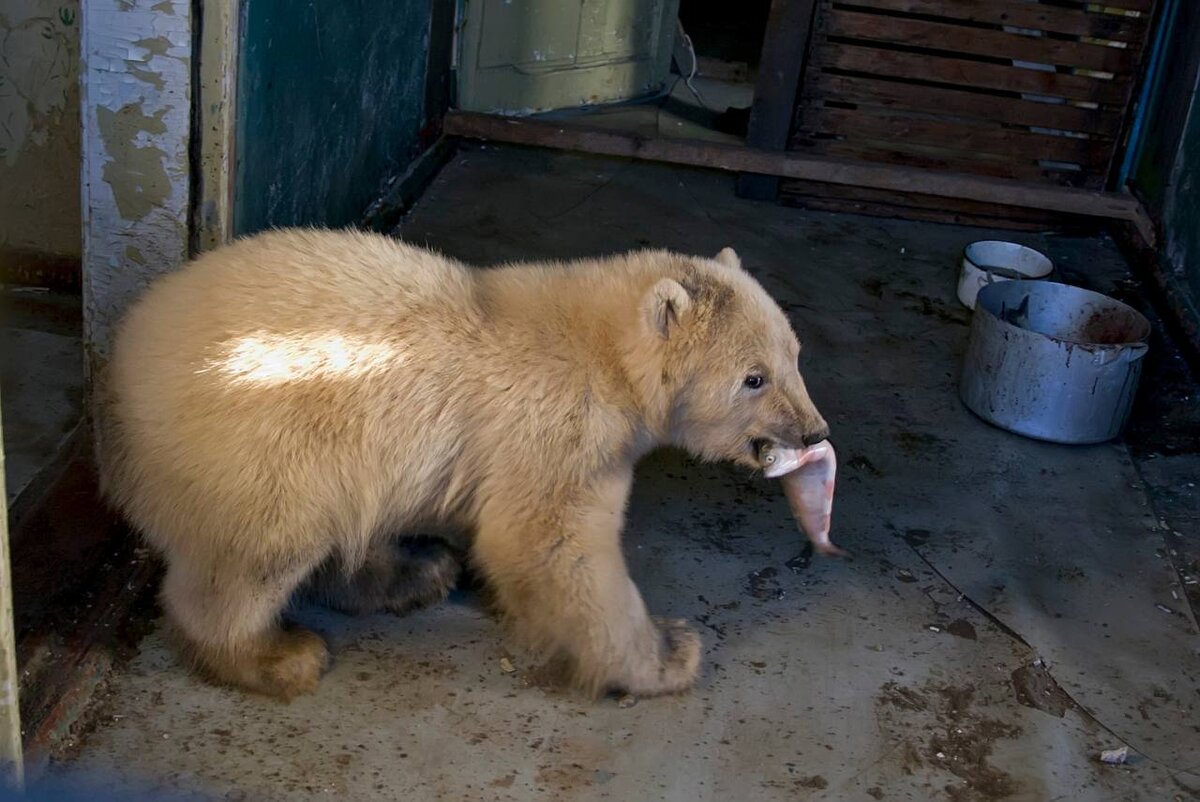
x=991, y=260
x=1053, y=362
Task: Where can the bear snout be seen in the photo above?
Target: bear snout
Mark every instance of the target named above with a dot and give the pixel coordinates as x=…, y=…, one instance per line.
x=803, y=433
x=814, y=437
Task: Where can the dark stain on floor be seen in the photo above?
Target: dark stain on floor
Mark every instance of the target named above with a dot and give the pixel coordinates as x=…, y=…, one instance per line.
x=959, y=740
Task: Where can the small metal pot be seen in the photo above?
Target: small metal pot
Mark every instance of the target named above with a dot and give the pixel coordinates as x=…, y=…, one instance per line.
x=990, y=260
x=1053, y=362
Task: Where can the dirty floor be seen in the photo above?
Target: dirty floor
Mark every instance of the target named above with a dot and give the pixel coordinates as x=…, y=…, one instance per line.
x=1014, y=608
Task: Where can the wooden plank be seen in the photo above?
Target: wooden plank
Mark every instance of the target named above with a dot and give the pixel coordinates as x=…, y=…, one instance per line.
x=975, y=41
x=1144, y=6
x=1018, y=145
x=1023, y=14
x=779, y=73
x=924, y=157
x=850, y=205
x=83, y=596
x=215, y=109
x=964, y=103
x=785, y=47
x=439, y=73
x=960, y=72
x=12, y=759
x=403, y=190
x=958, y=208
x=787, y=165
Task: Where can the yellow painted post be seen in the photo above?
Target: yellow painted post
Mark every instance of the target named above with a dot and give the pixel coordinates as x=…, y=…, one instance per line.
x=12, y=766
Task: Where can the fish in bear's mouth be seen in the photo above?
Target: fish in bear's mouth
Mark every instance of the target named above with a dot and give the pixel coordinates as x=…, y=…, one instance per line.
x=808, y=476
x=767, y=453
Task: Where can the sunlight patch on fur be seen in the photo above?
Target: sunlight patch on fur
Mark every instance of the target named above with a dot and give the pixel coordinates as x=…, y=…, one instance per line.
x=272, y=359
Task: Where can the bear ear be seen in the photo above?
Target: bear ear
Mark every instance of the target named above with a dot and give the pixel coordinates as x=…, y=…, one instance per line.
x=729, y=258
x=665, y=305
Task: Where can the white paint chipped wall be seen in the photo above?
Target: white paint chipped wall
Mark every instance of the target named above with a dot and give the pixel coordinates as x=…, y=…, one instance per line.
x=136, y=99
x=39, y=128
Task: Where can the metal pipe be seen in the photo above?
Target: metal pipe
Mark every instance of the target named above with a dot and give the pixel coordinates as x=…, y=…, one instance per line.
x=1133, y=148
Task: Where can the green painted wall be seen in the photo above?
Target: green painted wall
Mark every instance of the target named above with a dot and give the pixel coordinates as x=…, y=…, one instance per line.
x=1167, y=171
x=330, y=104
x=1181, y=211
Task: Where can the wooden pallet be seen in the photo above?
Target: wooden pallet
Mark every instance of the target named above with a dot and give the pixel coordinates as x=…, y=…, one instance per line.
x=1014, y=89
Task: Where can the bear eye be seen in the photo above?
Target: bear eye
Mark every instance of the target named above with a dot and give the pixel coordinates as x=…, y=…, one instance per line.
x=754, y=381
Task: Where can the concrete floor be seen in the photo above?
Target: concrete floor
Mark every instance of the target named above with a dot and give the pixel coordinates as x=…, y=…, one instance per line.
x=1011, y=611
x=41, y=373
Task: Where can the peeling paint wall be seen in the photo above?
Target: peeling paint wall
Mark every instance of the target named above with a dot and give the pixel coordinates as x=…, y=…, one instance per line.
x=39, y=129
x=136, y=130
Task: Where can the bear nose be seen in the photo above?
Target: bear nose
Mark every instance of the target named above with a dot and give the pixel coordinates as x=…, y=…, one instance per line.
x=812, y=438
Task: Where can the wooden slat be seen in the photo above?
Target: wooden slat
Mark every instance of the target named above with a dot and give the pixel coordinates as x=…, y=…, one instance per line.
x=917, y=201
x=893, y=211
x=1020, y=13
x=1015, y=144
x=975, y=41
x=12, y=761
x=936, y=160
x=779, y=73
x=902, y=155
x=790, y=165
x=893, y=64
x=914, y=97
x=1145, y=6
x=912, y=206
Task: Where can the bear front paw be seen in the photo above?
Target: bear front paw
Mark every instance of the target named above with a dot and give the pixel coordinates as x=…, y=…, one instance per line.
x=680, y=661
x=676, y=662
x=293, y=665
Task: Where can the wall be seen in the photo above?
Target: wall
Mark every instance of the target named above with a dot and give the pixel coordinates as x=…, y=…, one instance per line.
x=39, y=130
x=1181, y=209
x=1167, y=169
x=331, y=102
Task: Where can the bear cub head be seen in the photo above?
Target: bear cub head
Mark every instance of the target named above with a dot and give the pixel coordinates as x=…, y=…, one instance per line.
x=729, y=359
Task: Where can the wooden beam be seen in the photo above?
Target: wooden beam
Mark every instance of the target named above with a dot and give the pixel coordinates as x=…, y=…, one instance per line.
x=403, y=191
x=82, y=592
x=12, y=761
x=781, y=67
x=737, y=158
x=439, y=75
x=213, y=123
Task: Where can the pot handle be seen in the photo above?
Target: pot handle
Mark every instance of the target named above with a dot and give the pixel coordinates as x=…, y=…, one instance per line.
x=1134, y=352
x=1126, y=354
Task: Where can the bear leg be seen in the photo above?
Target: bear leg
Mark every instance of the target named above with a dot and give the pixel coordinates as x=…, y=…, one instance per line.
x=559, y=578
x=397, y=577
x=225, y=620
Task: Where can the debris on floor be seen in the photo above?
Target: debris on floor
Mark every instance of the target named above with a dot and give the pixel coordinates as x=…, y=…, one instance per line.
x=1115, y=756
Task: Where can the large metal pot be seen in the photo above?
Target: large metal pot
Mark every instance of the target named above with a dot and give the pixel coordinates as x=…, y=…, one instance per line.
x=1053, y=362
